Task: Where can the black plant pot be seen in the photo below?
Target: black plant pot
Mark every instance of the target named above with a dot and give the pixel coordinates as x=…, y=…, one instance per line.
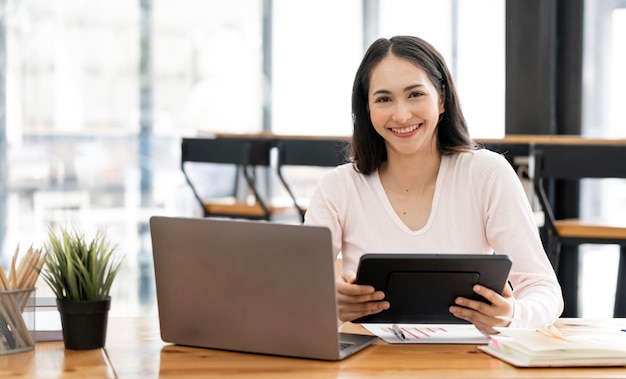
x=84, y=323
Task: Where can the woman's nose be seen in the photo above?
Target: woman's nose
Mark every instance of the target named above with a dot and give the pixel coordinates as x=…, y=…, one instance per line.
x=401, y=114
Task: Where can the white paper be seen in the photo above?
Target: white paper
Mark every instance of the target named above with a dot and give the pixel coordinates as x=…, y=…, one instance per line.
x=430, y=333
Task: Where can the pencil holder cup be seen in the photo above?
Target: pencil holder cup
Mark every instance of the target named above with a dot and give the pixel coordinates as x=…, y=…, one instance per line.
x=15, y=335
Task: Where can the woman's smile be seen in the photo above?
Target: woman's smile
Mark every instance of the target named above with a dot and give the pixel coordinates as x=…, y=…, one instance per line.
x=406, y=131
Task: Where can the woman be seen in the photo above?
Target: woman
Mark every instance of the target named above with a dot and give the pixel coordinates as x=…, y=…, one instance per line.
x=418, y=184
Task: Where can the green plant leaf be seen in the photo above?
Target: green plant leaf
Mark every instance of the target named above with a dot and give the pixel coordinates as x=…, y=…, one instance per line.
x=79, y=269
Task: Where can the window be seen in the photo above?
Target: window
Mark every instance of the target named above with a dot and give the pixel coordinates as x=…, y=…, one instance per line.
x=315, y=55
x=74, y=102
x=604, y=78
x=470, y=35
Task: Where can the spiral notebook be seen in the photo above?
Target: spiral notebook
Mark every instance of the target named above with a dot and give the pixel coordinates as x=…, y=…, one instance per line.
x=538, y=348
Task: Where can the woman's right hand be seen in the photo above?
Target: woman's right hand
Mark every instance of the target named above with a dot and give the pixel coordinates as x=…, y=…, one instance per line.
x=355, y=300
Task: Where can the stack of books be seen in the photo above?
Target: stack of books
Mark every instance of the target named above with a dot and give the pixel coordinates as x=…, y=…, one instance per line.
x=547, y=347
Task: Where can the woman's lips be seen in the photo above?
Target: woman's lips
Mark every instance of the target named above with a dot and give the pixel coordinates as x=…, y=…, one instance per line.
x=405, y=130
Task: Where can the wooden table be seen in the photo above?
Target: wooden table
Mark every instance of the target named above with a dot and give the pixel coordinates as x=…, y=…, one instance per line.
x=134, y=350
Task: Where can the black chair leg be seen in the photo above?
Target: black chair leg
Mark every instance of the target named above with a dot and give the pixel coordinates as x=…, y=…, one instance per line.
x=568, y=278
x=620, y=291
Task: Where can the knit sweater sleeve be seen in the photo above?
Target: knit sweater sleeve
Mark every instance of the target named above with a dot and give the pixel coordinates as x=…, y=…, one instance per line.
x=511, y=229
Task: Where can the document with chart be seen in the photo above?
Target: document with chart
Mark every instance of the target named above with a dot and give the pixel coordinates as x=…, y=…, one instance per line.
x=428, y=333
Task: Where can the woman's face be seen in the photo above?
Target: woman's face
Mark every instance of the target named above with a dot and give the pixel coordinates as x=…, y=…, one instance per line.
x=404, y=106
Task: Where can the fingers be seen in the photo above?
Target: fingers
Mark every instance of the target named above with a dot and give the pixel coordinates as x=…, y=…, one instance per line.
x=499, y=303
x=356, y=301
x=485, y=316
x=482, y=322
x=350, y=311
x=356, y=293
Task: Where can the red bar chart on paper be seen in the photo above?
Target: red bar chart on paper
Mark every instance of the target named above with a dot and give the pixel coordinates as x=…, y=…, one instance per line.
x=429, y=333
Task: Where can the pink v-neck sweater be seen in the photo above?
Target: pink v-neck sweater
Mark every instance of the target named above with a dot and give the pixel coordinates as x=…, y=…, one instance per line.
x=479, y=207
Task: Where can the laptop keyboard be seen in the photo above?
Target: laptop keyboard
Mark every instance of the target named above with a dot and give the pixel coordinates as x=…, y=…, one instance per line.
x=345, y=345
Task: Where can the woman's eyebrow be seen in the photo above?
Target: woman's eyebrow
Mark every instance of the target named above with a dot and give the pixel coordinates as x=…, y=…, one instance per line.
x=382, y=91
x=406, y=89
x=412, y=87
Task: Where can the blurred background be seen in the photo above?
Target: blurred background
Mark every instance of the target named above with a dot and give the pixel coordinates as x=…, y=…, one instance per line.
x=95, y=96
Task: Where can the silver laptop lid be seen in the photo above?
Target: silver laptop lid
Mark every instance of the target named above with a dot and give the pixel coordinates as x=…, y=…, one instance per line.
x=246, y=286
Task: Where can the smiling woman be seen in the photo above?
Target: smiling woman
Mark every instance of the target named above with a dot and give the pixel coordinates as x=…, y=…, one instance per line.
x=419, y=184
x=75, y=147
x=385, y=96
x=405, y=107
x=411, y=103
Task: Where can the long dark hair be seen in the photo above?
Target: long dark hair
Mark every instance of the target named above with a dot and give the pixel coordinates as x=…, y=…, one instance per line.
x=368, y=147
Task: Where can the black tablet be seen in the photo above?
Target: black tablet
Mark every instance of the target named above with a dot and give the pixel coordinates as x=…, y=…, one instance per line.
x=421, y=287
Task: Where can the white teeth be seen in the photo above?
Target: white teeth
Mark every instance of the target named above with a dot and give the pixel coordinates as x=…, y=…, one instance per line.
x=408, y=129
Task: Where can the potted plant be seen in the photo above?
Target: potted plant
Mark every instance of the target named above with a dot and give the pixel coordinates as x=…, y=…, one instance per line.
x=80, y=272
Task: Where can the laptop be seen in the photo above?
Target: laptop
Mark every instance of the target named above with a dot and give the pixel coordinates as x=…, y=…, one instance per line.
x=249, y=286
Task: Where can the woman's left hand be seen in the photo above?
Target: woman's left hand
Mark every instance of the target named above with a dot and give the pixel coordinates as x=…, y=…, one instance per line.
x=486, y=316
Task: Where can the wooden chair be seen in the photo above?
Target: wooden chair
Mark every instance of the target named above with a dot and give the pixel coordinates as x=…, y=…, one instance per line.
x=244, y=155
x=307, y=152
x=576, y=162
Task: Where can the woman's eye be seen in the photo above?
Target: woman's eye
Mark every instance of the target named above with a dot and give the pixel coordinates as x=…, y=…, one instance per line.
x=382, y=99
x=415, y=94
